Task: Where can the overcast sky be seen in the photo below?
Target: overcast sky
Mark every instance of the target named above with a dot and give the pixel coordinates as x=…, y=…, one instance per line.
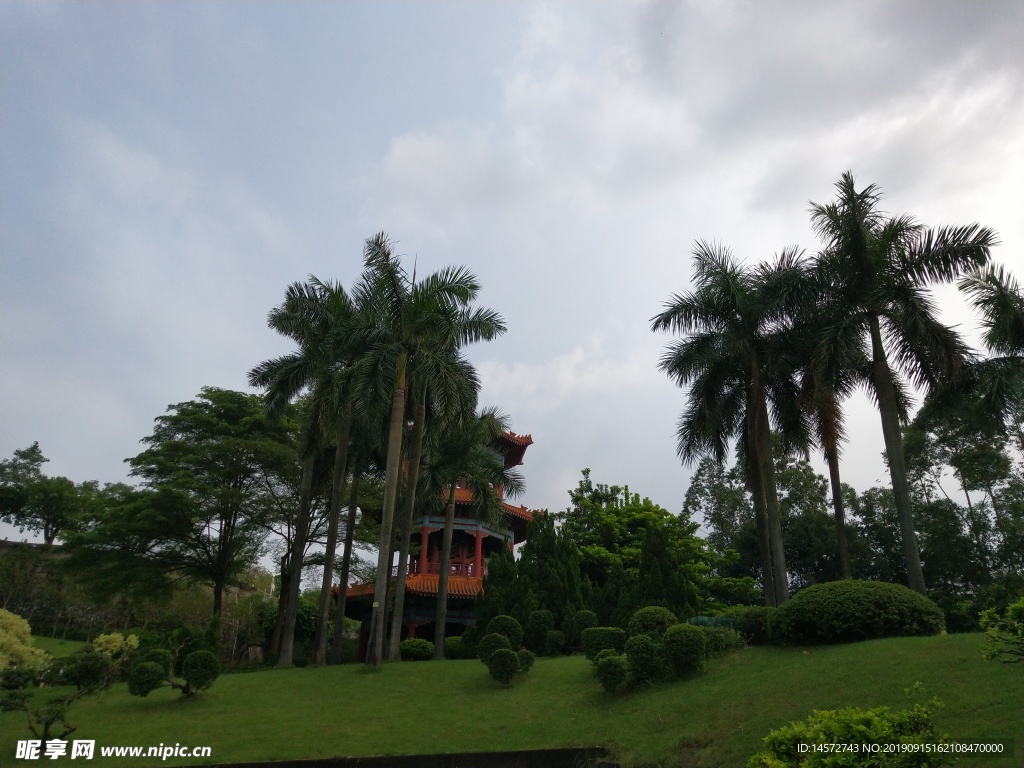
x=168, y=168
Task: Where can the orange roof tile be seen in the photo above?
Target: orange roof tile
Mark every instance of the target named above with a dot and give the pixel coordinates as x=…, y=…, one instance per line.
x=426, y=584
x=523, y=440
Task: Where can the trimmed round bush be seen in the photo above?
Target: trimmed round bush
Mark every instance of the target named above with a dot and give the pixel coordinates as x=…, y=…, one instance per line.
x=526, y=659
x=604, y=653
x=160, y=656
x=16, y=679
x=503, y=664
x=554, y=642
x=489, y=644
x=455, y=648
x=470, y=637
x=596, y=639
x=612, y=670
x=851, y=610
x=651, y=621
x=645, y=662
x=584, y=620
x=416, y=649
x=87, y=669
x=200, y=669
x=145, y=678
x=722, y=639
x=684, y=647
x=509, y=627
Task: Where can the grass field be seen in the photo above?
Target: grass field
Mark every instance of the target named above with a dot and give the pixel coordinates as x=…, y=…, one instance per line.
x=55, y=646
x=716, y=719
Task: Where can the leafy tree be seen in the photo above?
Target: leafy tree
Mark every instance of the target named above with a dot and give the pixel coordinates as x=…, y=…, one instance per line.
x=34, y=502
x=877, y=270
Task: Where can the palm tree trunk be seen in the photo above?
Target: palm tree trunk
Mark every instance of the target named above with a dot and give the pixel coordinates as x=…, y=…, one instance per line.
x=375, y=647
x=415, y=454
x=766, y=462
x=295, y=563
x=756, y=486
x=831, y=455
x=337, y=489
x=887, y=407
x=441, y=617
x=346, y=561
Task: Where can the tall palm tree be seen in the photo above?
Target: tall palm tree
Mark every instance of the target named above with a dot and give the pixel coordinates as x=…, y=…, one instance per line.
x=879, y=269
x=464, y=452
x=408, y=319
x=316, y=315
x=732, y=350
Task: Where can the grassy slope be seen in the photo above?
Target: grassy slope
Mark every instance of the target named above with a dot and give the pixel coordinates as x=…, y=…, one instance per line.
x=717, y=719
x=55, y=646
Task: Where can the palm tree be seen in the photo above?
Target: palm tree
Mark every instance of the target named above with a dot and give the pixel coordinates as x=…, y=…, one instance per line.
x=879, y=270
x=316, y=315
x=731, y=358
x=407, y=320
x=464, y=453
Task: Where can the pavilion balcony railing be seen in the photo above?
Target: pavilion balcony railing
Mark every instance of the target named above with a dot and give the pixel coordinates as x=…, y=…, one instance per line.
x=455, y=569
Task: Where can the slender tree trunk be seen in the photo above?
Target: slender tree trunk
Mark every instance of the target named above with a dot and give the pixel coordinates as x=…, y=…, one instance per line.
x=766, y=461
x=441, y=616
x=346, y=561
x=831, y=455
x=375, y=648
x=282, y=609
x=337, y=489
x=887, y=407
x=295, y=564
x=415, y=454
x=756, y=486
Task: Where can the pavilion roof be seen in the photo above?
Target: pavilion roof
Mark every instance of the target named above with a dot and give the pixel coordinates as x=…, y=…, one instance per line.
x=426, y=584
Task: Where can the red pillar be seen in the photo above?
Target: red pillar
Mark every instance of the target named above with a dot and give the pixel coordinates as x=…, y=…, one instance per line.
x=478, y=556
x=424, y=540
x=411, y=629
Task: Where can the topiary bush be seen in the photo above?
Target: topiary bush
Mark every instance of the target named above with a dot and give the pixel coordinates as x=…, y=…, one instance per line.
x=792, y=745
x=1004, y=637
x=509, y=627
x=200, y=669
x=526, y=659
x=651, y=621
x=489, y=644
x=646, y=664
x=455, y=648
x=145, y=678
x=161, y=657
x=554, y=642
x=612, y=670
x=503, y=664
x=416, y=649
x=584, y=620
x=850, y=610
x=470, y=637
x=684, y=647
x=596, y=639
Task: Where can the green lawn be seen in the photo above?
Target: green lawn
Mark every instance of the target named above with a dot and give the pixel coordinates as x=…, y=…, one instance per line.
x=716, y=719
x=55, y=646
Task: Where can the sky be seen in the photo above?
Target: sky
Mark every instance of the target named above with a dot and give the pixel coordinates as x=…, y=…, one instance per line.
x=168, y=168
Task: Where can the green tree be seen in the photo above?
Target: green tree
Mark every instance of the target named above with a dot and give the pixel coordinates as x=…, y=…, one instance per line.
x=878, y=271
x=31, y=501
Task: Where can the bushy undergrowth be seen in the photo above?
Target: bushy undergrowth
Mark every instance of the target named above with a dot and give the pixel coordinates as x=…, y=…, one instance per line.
x=685, y=648
x=554, y=642
x=596, y=639
x=651, y=621
x=612, y=669
x=646, y=665
x=871, y=730
x=851, y=610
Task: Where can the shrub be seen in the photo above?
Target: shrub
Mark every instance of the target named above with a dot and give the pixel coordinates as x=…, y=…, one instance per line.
x=145, y=678
x=416, y=649
x=509, y=627
x=16, y=647
x=554, y=642
x=612, y=670
x=596, y=639
x=503, y=664
x=685, y=648
x=584, y=620
x=160, y=657
x=880, y=726
x=537, y=627
x=651, y=621
x=526, y=659
x=470, y=637
x=455, y=648
x=16, y=678
x=200, y=669
x=1004, y=637
x=489, y=644
x=645, y=662
x=753, y=624
x=604, y=653
x=87, y=669
x=722, y=639
x=850, y=610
